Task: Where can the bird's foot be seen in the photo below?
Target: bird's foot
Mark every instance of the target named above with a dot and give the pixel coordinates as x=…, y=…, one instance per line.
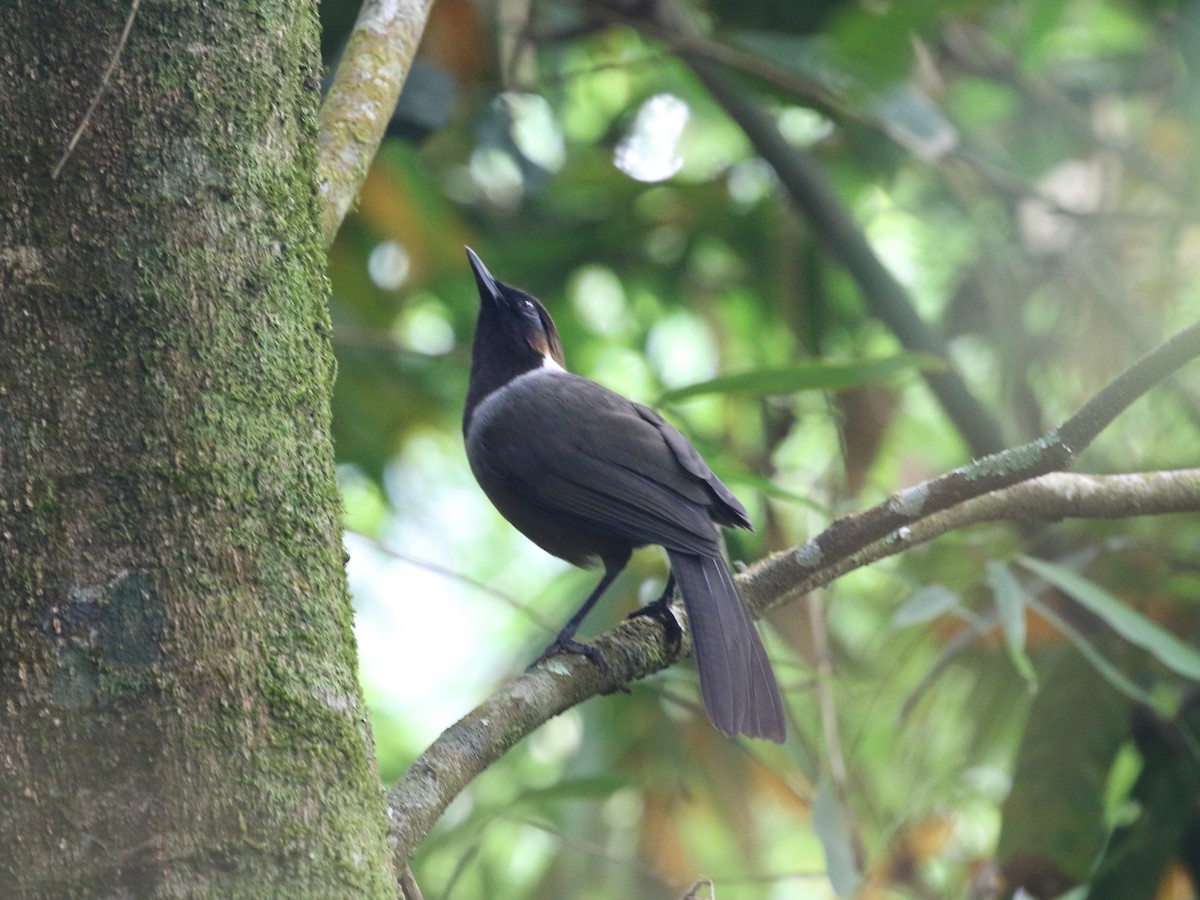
x=562, y=644
x=664, y=613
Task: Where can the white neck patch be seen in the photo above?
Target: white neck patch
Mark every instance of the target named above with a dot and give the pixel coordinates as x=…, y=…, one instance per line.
x=489, y=405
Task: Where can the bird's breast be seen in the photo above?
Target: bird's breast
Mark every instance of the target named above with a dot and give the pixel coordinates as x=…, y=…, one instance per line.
x=510, y=424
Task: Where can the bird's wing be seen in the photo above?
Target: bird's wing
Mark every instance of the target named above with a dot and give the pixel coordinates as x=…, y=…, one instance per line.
x=613, y=465
x=727, y=509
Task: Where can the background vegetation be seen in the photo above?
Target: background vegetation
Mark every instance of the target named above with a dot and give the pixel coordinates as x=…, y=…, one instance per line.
x=1027, y=173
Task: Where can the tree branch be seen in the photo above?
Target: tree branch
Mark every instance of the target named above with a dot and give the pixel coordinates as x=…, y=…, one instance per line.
x=366, y=86
x=1047, y=498
x=634, y=647
x=1053, y=451
x=982, y=491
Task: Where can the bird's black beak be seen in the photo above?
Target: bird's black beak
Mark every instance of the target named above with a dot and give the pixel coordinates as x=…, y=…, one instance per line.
x=489, y=288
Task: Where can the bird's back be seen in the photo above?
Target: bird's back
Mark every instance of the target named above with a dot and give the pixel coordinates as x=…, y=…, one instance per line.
x=565, y=447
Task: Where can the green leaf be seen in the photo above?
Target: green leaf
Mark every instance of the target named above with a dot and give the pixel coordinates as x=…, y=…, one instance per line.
x=770, y=489
x=1010, y=606
x=1123, y=619
x=925, y=604
x=1146, y=845
x=1054, y=812
x=913, y=122
x=587, y=788
x=1095, y=658
x=829, y=820
x=812, y=376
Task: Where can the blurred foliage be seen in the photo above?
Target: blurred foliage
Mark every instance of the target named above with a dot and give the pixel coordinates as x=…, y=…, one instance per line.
x=1028, y=171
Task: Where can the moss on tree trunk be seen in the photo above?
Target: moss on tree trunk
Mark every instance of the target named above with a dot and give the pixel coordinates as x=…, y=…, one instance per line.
x=180, y=713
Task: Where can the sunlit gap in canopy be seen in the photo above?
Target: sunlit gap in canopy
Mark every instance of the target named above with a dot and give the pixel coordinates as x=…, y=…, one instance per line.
x=649, y=152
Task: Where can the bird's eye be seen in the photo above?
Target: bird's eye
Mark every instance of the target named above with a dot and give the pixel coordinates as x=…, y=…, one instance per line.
x=529, y=311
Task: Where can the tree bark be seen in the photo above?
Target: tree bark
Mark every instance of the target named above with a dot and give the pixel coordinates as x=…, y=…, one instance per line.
x=179, y=708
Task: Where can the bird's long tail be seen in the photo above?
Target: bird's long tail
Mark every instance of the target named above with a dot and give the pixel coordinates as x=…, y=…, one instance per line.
x=739, y=688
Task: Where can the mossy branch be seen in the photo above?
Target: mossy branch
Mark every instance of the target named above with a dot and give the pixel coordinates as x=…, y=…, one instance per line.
x=362, y=98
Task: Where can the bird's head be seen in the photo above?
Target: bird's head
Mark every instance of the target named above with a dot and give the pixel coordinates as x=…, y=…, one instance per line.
x=513, y=326
x=513, y=335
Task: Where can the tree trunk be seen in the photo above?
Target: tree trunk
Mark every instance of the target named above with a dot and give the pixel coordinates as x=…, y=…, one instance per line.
x=179, y=708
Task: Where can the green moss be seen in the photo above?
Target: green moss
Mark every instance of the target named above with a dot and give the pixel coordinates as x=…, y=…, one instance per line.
x=75, y=682
x=204, y=497
x=1017, y=459
x=134, y=624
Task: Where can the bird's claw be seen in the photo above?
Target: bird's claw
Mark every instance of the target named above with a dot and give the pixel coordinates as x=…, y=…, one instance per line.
x=664, y=613
x=566, y=645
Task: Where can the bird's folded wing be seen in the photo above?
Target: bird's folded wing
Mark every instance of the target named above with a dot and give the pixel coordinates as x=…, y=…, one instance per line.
x=729, y=510
x=608, y=466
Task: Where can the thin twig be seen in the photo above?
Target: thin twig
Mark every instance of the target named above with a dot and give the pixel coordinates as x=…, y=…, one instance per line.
x=809, y=90
x=825, y=699
x=827, y=705
x=409, y=889
x=447, y=572
x=104, y=79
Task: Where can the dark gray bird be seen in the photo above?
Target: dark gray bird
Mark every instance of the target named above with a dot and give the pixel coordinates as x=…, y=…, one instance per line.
x=589, y=476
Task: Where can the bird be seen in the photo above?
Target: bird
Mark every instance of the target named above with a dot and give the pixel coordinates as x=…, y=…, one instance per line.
x=589, y=476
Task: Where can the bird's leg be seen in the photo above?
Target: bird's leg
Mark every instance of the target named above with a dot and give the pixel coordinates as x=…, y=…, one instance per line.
x=663, y=613
x=565, y=642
